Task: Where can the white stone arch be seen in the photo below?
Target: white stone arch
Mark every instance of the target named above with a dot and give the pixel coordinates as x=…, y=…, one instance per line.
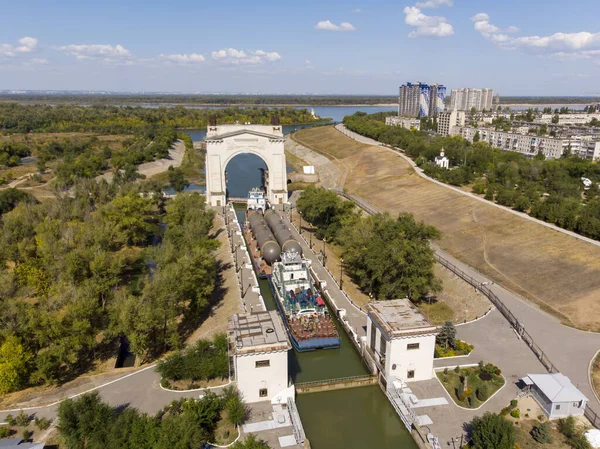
x=224, y=142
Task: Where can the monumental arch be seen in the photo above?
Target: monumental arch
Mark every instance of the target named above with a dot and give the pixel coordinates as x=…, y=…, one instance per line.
x=224, y=142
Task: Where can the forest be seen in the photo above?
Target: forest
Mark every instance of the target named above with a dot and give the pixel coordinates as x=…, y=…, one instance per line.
x=17, y=118
x=102, y=262
x=551, y=190
x=386, y=257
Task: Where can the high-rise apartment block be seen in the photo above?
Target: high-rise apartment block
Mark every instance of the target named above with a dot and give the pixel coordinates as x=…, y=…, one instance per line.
x=467, y=99
x=421, y=100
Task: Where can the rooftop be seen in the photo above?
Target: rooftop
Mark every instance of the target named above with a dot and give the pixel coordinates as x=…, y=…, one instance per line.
x=399, y=317
x=557, y=387
x=258, y=332
x=218, y=132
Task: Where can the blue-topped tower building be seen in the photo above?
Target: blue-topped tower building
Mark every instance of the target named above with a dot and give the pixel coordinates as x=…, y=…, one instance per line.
x=421, y=100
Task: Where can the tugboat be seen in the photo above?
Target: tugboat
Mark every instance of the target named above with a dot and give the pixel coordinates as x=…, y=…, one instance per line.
x=307, y=319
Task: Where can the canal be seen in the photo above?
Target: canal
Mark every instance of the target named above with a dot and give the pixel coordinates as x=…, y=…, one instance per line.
x=343, y=419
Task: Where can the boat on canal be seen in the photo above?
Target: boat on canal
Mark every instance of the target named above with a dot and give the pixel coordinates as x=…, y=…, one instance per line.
x=306, y=317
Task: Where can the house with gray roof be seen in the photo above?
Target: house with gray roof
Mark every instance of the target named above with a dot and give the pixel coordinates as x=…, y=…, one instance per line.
x=555, y=393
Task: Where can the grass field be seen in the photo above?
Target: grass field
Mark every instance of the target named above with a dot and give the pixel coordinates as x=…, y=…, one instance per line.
x=556, y=271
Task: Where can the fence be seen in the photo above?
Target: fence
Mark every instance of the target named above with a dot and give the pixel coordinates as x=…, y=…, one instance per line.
x=590, y=414
x=339, y=380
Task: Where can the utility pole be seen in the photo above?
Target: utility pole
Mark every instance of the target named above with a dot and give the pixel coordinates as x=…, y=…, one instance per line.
x=341, y=274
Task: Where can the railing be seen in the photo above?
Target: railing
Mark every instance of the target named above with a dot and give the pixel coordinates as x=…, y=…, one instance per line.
x=590, y=414
x=298, y=430
x=318, y=383
x=407, y=414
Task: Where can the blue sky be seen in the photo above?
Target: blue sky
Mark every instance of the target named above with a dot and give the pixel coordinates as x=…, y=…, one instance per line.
x=517, y=47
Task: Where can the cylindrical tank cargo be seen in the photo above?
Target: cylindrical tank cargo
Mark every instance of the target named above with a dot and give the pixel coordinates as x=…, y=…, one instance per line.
x=282, y=233
x=264, y=237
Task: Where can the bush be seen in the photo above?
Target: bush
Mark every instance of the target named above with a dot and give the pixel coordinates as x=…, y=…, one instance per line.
x=485, y=376
x=491, y=431
x=22, y=419
x=468, y=392
x=505, y=411
x=461, y=396
x=5, y=432
x=42, y=423
x=541, y=433
x=514, y=403
x=579, y=441
x=446, y=370
x=516, y=413
x=27, y=434
x=10, y=420
x=483, y=393
x=566, y=426
x=457, y=369
x=541, y=417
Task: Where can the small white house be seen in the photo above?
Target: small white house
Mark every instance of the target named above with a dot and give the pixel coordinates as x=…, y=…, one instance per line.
x=442, y=161
x=259, y=346
x=555, y=393
x=401, y=340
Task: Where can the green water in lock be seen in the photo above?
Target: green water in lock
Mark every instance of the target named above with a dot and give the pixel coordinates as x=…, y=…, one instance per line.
x=360, y=418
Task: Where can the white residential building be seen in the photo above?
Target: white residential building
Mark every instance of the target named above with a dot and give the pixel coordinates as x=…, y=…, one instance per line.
x=450, y=122
x=404, y=122
x=567, y=119
x=530, y=145
x=259, y=346
x=401, y=340
x=467, y=98
x=555, y=393
x=421, y=100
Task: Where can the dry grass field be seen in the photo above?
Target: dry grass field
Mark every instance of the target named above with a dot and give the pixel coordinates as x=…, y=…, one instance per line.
x=556, y=271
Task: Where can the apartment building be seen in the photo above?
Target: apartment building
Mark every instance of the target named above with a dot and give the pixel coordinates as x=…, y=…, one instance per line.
x=567, y=119
x=404, y=122
x=551, y=147
x=421, y=100
x=450, y=122
x=465, y=99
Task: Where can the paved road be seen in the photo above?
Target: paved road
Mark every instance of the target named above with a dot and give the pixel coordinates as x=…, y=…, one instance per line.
x=569, y=349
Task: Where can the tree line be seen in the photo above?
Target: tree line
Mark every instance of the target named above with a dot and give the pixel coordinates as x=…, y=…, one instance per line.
x=79, y=273
x=386, y=257
x=89, y=423
x=17, y=118
x=551, y=190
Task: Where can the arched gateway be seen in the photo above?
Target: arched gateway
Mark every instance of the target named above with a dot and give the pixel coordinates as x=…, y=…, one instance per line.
x=223, y=142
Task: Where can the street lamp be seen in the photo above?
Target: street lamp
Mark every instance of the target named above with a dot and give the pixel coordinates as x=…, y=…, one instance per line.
x=324, y=253
x=310, y=239
x=341, y=273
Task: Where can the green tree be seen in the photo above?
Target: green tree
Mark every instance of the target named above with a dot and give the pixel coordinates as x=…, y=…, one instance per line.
x=177, y=179
x=325, y=210
x=447, y=335
x=476, y=137
x=14, y=362
x=555, y=119
x=491, y=431
x=129, y=216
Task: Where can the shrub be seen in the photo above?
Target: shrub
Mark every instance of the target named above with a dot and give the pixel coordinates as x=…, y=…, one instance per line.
x=446, y=370
x=541, y=433
x=541, y=417
x=42, y=423
x=5, y=432
x=468, y=392
x=471, y=401
x=483, y=393
x=491, y=431
x=22, y=419
x=516, y=413
x=566, y=426
x=27, y=434
x=463, y=347
x=480, y=364
x=579, y=441
x=461, y=396
x=485, y=376
x=10, y=420
x=457, y=369
x=514, y=403
x=505, y=411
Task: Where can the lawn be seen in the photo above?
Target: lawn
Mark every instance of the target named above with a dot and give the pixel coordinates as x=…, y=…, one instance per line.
x=559, y=272
x=481, y=384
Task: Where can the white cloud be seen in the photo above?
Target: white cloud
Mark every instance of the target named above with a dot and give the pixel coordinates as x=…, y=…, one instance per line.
x=26, y=45
x=582, y=45
x=433, y=3
x=327, y=25
x=233, y=56
x=307, y=62
x=426, y=26
x=357, y=10
x=187, y=58
x=108, y=53
x=41, y=61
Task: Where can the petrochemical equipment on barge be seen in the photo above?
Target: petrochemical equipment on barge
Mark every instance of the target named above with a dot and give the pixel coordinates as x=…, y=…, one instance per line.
x=263, y=246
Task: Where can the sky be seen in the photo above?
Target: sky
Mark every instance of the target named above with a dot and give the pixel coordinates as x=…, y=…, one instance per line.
x=516, y=47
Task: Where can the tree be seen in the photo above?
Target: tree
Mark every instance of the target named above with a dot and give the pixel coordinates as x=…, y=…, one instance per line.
x=237, y=410
x=491, y=431
x=250, y=442
x=129, y=217
x=555, y=119
x=476, y=137
x=177, y=179
x=447, y=335
x=325, y=210
x=14, y=361
x=541, y=433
